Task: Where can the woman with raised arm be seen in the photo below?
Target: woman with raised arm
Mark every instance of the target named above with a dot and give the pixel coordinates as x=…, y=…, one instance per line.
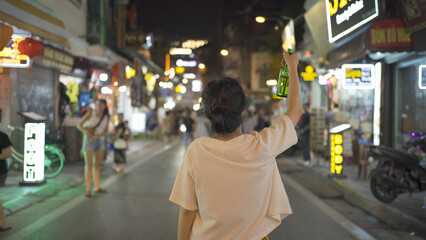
x=229, y=186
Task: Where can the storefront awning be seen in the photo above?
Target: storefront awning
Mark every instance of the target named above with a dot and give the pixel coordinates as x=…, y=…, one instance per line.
x=386, y=39
x=346, y=52
x=34, y=17
x=150, y=64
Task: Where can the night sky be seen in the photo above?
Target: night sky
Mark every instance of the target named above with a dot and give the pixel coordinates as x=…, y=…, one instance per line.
x=179, y=19
x=196, y=18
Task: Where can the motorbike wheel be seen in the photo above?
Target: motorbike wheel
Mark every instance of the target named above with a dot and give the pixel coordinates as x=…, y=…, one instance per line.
x=380, y=189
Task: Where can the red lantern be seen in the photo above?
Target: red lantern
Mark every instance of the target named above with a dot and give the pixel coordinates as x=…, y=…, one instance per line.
x=30, y=47
x=5, y=35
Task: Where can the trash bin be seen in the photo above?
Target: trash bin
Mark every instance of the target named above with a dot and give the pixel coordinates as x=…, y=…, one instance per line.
x=73, y=139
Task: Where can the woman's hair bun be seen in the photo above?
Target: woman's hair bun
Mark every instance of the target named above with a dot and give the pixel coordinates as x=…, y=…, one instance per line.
x=219, y=107
x=223, y=103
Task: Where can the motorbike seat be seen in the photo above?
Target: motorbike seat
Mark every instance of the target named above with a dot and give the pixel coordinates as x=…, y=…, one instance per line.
x=403, y=154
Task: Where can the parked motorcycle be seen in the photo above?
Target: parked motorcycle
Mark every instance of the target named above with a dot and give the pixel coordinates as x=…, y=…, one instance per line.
x=398, y=171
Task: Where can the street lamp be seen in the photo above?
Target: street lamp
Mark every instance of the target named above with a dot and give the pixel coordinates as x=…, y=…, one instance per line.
x=224, y=52
x=287, y=34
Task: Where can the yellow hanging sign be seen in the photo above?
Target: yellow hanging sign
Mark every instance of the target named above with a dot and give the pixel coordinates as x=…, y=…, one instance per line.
x=309, y=74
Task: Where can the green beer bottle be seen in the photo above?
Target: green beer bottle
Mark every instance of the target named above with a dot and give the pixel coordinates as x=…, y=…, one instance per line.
x=283, y=79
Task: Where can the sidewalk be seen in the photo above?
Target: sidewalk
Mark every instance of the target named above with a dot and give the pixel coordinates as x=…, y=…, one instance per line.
x=16, y=198
x=407, y=213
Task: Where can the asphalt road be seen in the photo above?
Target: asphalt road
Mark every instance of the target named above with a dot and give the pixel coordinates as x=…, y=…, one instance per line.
x=137, y=207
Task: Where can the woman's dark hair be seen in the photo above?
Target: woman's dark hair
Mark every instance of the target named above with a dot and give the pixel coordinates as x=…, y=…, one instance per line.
x=106, y=112
x=223, y=102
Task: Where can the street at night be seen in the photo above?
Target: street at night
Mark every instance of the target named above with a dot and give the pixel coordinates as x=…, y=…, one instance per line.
x=213, y=120
x=137, y=207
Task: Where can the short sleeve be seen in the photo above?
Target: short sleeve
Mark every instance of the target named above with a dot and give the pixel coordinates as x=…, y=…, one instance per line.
x=183, y=193
x=280, y=136
x=4, y=141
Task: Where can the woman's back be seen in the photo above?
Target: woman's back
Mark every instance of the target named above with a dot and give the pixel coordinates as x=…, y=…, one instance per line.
x=235, y=185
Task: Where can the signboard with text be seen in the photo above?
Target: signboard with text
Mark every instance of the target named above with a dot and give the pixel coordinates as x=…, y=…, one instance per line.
x=34, y=152
x=336, y=150
x=389, y=34
x=422, y=76
x=10, y=56
x=414, y=12
x=358, y=76
x=55, y=58
x=345, y=16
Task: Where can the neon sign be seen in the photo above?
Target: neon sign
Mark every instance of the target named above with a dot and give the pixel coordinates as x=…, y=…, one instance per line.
x=34, y=152
x=336, y=161
x=10, y=56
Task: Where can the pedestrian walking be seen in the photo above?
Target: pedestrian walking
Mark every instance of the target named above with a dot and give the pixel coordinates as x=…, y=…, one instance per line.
x=3, y=224
x=5, y=153
x=167, y=127
x=249, y=122
x=229, y=186
x=202, y=125
x=305, y=133
x=120, y=145
x=94, y=125
x=262, y=120
x=188, y=130
x=127, y=133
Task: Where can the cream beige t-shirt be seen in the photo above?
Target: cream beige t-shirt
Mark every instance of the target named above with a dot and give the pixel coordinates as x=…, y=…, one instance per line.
x=235, y=185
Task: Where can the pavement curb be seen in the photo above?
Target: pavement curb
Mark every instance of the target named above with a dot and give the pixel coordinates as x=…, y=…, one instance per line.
x=49, y=190
x=44, y=192
x=388, y=214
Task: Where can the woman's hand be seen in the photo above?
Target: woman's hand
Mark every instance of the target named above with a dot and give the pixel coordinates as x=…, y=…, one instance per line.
x=291, y=60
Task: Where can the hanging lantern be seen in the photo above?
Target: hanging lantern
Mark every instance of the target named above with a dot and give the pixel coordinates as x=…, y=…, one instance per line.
x=30, y=47
x=5, y=35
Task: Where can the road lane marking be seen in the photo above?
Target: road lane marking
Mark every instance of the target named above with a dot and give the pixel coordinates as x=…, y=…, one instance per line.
x=348, y=225
x=28, y=230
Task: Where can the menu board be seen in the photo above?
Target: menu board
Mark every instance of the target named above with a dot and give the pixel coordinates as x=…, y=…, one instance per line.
x=358, y=76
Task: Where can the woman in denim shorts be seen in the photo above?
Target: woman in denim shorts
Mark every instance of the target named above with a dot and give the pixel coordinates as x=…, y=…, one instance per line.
x=94, y=125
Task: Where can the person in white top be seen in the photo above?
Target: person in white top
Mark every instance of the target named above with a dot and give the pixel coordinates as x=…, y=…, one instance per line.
x=229, y=186
x=94, y=126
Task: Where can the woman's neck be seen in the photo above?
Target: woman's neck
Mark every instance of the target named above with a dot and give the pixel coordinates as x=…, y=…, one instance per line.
x=228, y=136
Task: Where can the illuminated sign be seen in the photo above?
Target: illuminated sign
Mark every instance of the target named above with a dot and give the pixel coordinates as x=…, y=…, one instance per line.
x=130, y=72
x=137, y=122
x=189, y=76
x=183, y=63
x=358, y=76
x=345, y=16
x=180, y=70
x=309, y=74
x=336, y=150
x=10, y=56
x=388, y=34
x=150, y=81
x=180, y=51
x=197, y=85
x=34, y=152
x=289, y=41
x=193, y=44
x=422, y=76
